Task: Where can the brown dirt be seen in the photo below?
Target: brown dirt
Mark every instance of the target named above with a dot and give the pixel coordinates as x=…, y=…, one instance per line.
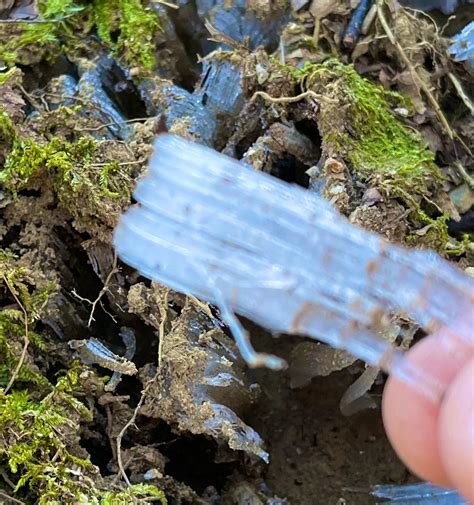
x=318, y=456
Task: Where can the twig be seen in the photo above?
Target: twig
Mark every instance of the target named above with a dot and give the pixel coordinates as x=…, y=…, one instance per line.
x=355, y=23
x=26, y=21
x=316, y=32
x=203, y=306
x=85, y=101
x=164, y=317
x=34, y=102
x=126, y=427
x=463, y=173
x=26, y=339
x=290, y=99
x=114, y=318
x=9, y=499
x=281, y=51
x=462, y=95
x=166, y=4
x=121, y=164
x=369, y=19
x=115, y=123
x=5, y=477
x=222, y=38
x=413, y=71
x=102, y=292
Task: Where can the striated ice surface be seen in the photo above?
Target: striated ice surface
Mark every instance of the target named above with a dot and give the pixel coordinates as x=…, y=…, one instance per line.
x=418, y=494
x=462, y=48
x=280, y=255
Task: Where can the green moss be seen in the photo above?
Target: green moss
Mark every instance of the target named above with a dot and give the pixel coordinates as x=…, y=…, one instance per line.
x=29, y=160
x=59, y=20
x=7, y=129
x=137, y=28
x=18, y=282
x=38, y=444
x=12, y=328
x=40, y=450
x=137, y=491
x=104, y=179
x=105, y=17
x=358, y=125
x=376, y=141
x=69, y=164
x=135, y=22
x=36, y=440
x=4, y=77
x=79, y=173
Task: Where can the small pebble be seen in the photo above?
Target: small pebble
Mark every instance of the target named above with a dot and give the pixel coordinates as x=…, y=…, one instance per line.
x=153, y=473
x=262, y=73
x=462, y=198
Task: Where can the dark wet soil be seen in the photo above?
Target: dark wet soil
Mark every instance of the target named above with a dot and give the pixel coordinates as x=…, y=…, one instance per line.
x=319, y=456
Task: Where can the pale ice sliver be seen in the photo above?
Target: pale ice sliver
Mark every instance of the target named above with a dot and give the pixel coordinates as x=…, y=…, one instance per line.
x=210, y=226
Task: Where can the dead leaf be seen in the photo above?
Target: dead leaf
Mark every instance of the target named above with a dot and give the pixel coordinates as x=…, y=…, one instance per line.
x=423, y=231
x=297, y=5
x=408, y=87
x=319, y=9
x=361, y=48
x=432, y=138
x=5, y=6
x=18, y=9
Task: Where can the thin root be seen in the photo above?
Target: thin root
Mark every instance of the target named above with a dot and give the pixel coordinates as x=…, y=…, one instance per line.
x=468, y=179
x=461, y=93
x=9, y=499
x=418, y=80
x=203, y=306
x=291, y=99
x=163, y=307
x=126, y=427
x=101, y=294
x=26, y=340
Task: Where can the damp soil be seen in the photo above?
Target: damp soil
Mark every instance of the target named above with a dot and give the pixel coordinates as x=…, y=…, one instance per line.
x=318, y=455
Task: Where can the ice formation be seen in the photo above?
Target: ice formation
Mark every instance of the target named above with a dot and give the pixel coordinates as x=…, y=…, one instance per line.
x=418, y=494
x=280, y=255
x=462, y=47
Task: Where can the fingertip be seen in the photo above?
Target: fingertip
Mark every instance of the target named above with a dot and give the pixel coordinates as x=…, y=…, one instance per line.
x=410, y=419
x=456, y=431
x=411, y=425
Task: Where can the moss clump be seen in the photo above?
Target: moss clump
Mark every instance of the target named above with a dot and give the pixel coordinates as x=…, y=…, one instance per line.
x=40, y=448
x=93, y=192
x=374, y=139
x=12, y=331
x=135, y=491
x=133, y=20
x=29, y=160
x=7, y=130
x=58, y=18
x=19, y=283
x=357, y=124
x=41, y=455
x=136, y=25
